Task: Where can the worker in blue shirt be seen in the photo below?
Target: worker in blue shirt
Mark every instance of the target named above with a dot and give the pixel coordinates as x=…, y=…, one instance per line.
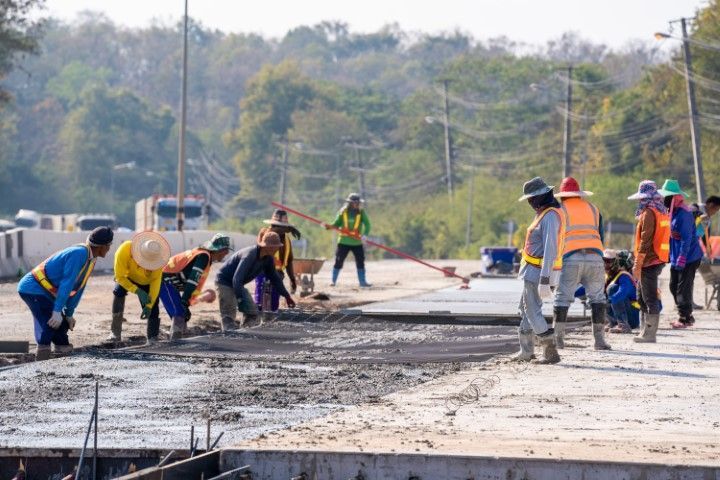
x=53, y=289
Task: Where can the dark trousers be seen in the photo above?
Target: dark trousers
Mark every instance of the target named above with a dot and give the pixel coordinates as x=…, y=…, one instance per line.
x=342, y=252
x=681, y=286
x=153, y=321
x=648, y=289
x=41, y=308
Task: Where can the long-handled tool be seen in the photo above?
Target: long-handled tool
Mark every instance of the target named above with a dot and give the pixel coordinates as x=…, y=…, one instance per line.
x=370, y=242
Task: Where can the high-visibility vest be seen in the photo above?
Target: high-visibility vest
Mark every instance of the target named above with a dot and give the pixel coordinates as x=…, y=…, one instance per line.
x=281, y=263
x=346, y=224
x=39, y=274
x=583, y=225
x=661, y=238
x=177, y=264
x=537, y=261
x=635, y=304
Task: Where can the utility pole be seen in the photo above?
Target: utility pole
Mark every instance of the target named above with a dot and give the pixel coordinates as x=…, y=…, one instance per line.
x=361, y=172
x=448, y=141
x=283, y=172
x=468, y=224
x=183, y=120
x=692, y=107
x=567, y=145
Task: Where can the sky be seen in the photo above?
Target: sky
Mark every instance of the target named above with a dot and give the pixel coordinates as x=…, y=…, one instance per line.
x=613, y=22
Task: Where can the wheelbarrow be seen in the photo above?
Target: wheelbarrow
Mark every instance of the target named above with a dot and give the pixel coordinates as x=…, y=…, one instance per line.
x=305, y=270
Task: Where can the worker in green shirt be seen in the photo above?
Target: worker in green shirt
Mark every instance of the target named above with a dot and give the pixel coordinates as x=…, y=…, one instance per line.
x=354, y=225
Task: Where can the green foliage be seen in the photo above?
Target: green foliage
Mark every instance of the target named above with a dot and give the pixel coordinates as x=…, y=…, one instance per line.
x=19, y=34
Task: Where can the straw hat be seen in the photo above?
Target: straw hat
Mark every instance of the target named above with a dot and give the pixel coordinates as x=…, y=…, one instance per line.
x=279, y=219
x=534, y=187
x=270, y=239
x=150, y=250
x=571, y=188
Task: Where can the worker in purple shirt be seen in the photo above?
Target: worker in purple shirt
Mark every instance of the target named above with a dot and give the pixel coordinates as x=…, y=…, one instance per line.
x=53, y=290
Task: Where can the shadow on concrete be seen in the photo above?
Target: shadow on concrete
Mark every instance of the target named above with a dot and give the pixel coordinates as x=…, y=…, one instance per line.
x=677, y=356
x=665, y=373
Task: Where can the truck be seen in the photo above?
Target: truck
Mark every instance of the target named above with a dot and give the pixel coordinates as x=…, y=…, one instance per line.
x=64, y=222
x=159, y=212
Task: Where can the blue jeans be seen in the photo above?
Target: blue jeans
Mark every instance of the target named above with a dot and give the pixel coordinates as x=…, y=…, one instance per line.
x=41, y=308
x=586, y=269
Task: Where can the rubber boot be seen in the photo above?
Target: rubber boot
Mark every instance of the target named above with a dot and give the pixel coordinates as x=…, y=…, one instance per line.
x=116, y=328
x=649, y=331
x=42, y=353
x=250, y=320
x=598, y=326
x=642, y=321
x=335, y=275
x=63, y=350
x=550, y=354
x=527, y=347
x=228, y=324
x=559, y=323
x=118, y=306
x=361, y=278
x=177, y=328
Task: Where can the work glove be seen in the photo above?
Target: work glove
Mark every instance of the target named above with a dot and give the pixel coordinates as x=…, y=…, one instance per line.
x=544, y=291
x=680, y=262
x=71, y=322
x=143, y=296
x=290, y=302
x=363, y=238
x=186, y=310
x=145, y=313
x=55, y=321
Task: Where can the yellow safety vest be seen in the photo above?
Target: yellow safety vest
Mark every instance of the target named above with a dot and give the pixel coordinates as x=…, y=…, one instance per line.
x=537, y=261
x=346, y=223
x=282, y=263
x=39, y=273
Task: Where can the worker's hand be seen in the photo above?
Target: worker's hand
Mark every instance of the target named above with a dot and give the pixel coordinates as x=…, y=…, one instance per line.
x=363, y=238
x=186, y=310
x=145, y=312
x=326, y=226
x=293, y=286
x=55, y=320
x=290, y=302
x=680, y=262
x=71, y=322
x=143, y=296
x=544, y=291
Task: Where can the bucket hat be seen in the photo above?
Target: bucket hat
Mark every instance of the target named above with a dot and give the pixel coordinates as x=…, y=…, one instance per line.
x=571, y=188
x=534, y=187
x=646, y=189
x=671, y=187
x=150, y=250
x=279, y=219
x=218, y=242
x=354, y=197
x=270, y=239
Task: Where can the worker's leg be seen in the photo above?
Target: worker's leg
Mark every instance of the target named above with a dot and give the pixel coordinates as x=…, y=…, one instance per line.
x=525, y=337
x=259, y=284
x=228, y=306
x=649, y=293
x=592, y=277
x=172, y=301
x=359, y=255
x=564, y=297
x=684, y=296
x=248, y=308
x=153, y=320
x=41, y=309
x=118, y=312
x=533, y=310
x=341, y=252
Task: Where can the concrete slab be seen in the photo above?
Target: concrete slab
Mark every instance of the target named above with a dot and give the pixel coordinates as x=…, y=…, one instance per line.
x=651, y=403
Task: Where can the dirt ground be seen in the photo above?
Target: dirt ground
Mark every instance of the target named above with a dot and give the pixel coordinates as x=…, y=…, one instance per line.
x=391, y=279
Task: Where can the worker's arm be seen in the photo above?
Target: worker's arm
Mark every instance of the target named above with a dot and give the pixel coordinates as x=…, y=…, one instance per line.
x=72, y=268
x=626, y=287
x=291, y=270
x=154, y=291
x=271, y=274
x=191, y=282
x=241, y=271
x=647, y=231
x=601, y=228
x=685, y=232
x=550, y=227
x=365, y=222
x=122, y=268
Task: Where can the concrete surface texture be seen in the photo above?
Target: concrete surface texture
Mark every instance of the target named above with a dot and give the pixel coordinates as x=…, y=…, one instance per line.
x=637, y=403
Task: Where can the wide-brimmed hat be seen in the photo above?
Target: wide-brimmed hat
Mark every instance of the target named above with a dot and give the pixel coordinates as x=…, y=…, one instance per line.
x=150, y=250
x=279, y=219
x=354, y=197
x=535, y=187
x=270, y=239
x=218, y=242
x=610, y=254
x=646, y=189
x=571, y=188
x=671, y=187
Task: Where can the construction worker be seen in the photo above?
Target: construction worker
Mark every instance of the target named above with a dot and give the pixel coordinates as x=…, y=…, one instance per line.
x=139, y=264
x=354, y=225
x=704, y=220
x=242, y=268
x=53, y=290
x=279, y=224
x=623, y=311
x=539, y=269
x=187, y=272
x=582, y=261
x=652, y=252
x=685, y=251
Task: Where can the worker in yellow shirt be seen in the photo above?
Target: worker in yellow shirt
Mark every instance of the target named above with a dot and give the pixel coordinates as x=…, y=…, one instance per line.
x=139, y=264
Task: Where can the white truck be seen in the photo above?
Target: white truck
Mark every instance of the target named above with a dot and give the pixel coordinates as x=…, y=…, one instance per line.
x=159, y=212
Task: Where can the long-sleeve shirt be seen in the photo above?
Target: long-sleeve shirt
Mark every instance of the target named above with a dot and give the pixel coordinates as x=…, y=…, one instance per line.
x=65, y=270
x=646, y=223
x=543, y=242
x=244, y=266
x=188, y=279
x=683, y=237
x=129, y=274
x=627, y=290
x=363, y=228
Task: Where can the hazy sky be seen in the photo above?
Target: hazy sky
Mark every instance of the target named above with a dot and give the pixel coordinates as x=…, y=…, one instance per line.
x=531, y=21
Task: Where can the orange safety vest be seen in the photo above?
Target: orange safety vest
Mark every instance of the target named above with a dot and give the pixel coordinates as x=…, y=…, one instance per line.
x=39, y=274
x=178, y=263
x=537, y=261
x=282, y=263
x=583, y=225
x=346, y=224
x=661, y=238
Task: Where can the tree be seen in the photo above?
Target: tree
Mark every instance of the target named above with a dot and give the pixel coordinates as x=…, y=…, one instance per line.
x=18, y=34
